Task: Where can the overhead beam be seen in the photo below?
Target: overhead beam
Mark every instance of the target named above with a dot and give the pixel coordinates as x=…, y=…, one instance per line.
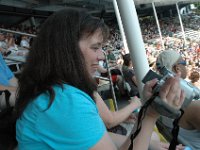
x=163, y=2
x=31, y=1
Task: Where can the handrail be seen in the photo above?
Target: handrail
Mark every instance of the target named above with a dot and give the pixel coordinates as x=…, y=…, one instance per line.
x=17, y=32
x=111, y=83
x=102, y=78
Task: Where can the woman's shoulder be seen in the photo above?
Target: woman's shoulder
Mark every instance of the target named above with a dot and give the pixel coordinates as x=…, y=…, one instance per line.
x=65, y=98
x=71, y=90
x=62, y=95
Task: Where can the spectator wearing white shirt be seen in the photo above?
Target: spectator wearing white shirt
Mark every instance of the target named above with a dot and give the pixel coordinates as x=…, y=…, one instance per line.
x=24, y=42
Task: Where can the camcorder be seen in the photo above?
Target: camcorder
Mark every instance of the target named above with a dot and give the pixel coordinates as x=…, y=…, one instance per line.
x=191, y=92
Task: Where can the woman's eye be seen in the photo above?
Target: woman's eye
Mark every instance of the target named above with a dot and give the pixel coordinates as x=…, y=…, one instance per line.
x=95, y=48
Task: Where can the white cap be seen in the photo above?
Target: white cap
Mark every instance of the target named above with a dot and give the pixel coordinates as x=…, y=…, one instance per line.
x=167, y=58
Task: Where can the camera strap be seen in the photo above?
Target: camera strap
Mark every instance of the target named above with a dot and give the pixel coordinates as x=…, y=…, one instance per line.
x=141, y=116
x=163, y=109
x=175, y=131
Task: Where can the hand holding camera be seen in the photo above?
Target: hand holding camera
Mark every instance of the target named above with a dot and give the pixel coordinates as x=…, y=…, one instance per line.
x=171, y=93
x=169, y=90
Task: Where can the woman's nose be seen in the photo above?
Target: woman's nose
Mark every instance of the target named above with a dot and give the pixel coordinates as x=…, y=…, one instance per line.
x=100, y=55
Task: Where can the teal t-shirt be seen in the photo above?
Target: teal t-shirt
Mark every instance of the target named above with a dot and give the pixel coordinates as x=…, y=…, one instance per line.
x=71, y=123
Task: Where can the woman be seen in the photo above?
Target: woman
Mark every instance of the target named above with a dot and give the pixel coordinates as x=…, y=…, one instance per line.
x=55, y=102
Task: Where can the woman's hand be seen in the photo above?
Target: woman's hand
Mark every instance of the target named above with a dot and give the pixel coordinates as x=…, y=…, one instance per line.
x=148, y=89
x=147, y=93
x=136, y=101
x=170, y=92
x=131, y=119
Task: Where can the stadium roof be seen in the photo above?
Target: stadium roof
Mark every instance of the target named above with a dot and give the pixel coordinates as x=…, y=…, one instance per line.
x=16, y=11
x=53, y=5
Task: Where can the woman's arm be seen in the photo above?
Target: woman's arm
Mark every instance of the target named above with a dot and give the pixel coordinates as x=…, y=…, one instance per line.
x=171, y=93
x=112, y=119
x=9, y=88
x=12, y=87
x=105, y=143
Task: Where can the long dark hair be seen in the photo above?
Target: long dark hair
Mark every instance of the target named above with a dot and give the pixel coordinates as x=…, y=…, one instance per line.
x=55, y=57
x=127, y=59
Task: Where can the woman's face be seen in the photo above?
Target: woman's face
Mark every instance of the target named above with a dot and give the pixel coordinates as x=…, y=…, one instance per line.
x=91, y=48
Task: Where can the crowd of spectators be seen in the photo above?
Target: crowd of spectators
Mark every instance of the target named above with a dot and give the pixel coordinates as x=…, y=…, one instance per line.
x=172, y=39
x=171, y=34
x=11, y=42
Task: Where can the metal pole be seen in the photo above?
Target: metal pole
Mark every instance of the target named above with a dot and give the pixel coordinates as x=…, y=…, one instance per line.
x=102, y=78
x=16, y=32
x=121, y=26
x=170, y=12
x=181, y=23
x=134, y=39
x=32, y=21
x=158, y=25
x=111, y=83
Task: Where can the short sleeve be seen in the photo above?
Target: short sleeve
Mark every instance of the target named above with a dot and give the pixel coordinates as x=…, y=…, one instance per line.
x=75, y=122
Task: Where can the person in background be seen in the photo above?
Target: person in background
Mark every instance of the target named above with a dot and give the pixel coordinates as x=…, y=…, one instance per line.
x=194, y=78
x=7, y=82
x=12, y=46
x=116, y=76
x=190, y=121
x=3, y=44
x=55, y=102
x=129, y=75
x=25, y=42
